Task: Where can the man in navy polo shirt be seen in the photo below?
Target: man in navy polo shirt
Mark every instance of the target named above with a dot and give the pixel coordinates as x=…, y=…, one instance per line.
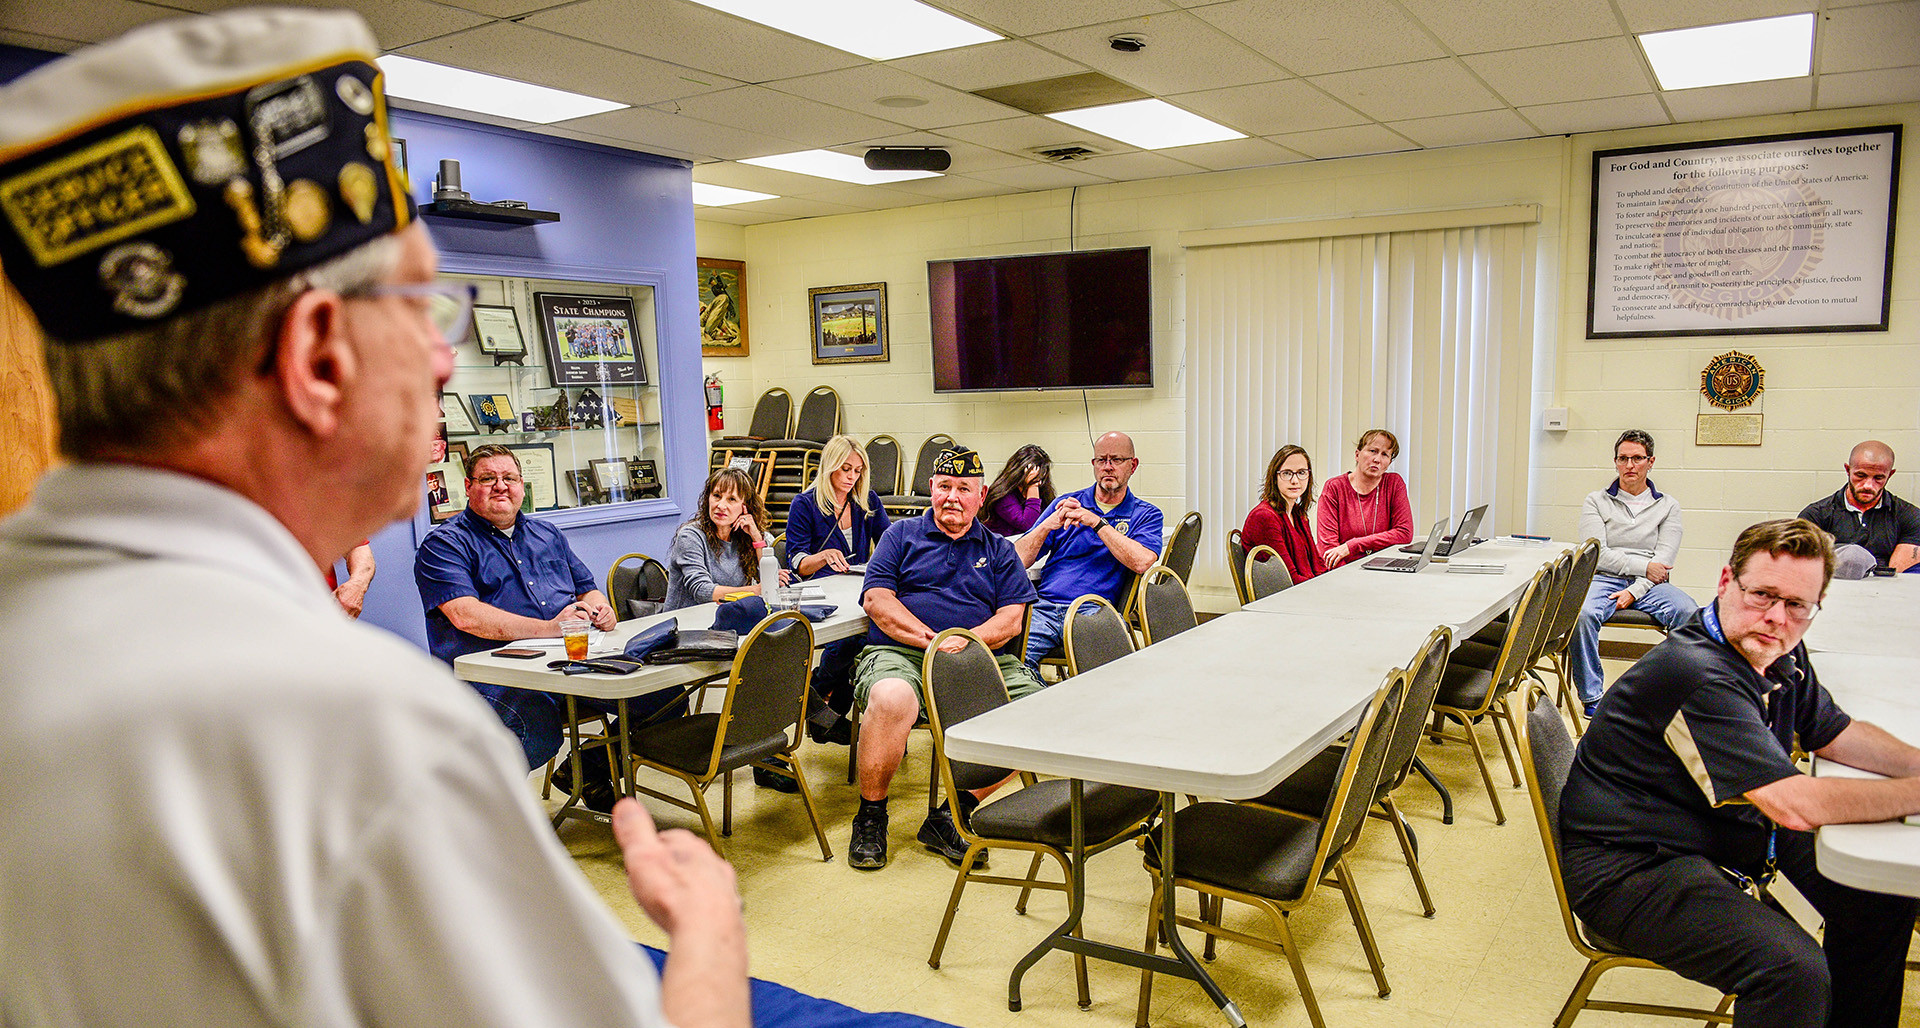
x=1684, y=792
x=1095, y=540
x=488, y=575
x=937, y=571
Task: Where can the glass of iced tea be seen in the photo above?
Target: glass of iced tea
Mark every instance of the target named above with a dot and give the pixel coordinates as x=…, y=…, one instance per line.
x=574, y=631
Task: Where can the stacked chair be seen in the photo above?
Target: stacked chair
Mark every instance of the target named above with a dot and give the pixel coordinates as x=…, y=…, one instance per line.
x=793, y=462
x=772, y=419
x=883, y=464
x=919, y=494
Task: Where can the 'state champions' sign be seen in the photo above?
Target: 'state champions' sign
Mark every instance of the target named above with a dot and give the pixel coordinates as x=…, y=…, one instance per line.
x=1770, y=234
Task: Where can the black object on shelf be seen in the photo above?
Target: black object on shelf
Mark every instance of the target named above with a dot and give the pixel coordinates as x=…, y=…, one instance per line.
x=470, y=211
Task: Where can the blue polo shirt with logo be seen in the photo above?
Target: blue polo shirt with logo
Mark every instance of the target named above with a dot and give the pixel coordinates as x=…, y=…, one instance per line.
x=533, y=573
x=946, y=582
x=1079, y=563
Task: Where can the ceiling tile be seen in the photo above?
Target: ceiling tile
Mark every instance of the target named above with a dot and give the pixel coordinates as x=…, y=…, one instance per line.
x=396, y=23
x=1476, y=26
x=1424, y=90
x=1564, y=72
x=1041, y=176
x=1864, y=88
x=951, y=187
x=1782, y=96
x=1866, y=38
x=682, y=135
x=1659, y=15
x=499, y=8
x=756, y=178
x=1018, y=135
x=1269, y=108
x=773, y=113
x=1127, y=167
x=697, y=36
x=1614, y=112
x=988, y=65
x=868, y=198
x=563, y=62
x=1312, y=37
x=1183, y=54
x=1345, y=142
x=796, y=208
x=82, y=23
x=858, y=89
x=1234, y=153
x=1461, y=129
x=746, y=215
x=1027, y=17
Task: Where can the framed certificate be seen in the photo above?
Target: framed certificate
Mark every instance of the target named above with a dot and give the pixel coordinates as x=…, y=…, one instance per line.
x=610, y=476
x=537, y=467
x=497, y=330
x=453, y=410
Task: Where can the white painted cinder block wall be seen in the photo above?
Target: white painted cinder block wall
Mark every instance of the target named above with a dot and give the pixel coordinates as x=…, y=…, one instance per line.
x=1824, y=391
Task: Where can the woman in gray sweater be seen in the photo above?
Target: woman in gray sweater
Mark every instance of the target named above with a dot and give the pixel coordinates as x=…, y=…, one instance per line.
x=717, y=551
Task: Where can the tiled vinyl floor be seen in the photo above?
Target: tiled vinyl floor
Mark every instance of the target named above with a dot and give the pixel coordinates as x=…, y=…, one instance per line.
x=1494, y=955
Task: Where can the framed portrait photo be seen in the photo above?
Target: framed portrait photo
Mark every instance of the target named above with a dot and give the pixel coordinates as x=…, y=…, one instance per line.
x=446, y=490
x=496, y=330
x=590, y=339
x=849, y=323
x=453, y=410
x=723, y=308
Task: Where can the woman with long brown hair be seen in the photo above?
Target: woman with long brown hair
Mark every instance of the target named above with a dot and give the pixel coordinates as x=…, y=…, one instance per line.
x=1025, y=487
x=1279, y=520
x=717, y=551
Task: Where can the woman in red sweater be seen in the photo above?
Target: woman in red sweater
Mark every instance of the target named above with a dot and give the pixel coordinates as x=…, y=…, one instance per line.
x=1279, y=520
x=1365, y=510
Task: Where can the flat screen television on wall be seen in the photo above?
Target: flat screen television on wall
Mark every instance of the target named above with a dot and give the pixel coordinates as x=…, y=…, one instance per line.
x=1080, y=320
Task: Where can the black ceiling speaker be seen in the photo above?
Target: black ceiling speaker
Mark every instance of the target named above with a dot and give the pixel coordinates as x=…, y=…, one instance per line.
x=908, y=158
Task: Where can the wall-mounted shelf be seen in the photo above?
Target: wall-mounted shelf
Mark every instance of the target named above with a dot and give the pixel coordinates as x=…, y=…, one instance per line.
x=469, y=211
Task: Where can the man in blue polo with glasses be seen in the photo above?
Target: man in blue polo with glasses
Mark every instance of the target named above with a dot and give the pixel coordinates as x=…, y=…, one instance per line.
x=1095, y=541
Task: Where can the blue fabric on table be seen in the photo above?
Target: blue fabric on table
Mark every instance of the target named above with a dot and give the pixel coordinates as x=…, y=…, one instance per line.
x=657, y=637
x=743, y=614
x=776, y=1006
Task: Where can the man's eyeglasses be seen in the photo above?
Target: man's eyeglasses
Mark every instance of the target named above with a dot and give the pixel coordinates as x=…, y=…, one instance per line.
x=1293, y=475
x=1763, y=600
x=1112, y=462
x=1632, y=462
x=449, y=304
x=485, y=481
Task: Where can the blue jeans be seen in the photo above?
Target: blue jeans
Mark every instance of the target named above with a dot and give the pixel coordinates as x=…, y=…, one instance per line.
x=1045, y=631
x=538, y=719
x=1665, y=602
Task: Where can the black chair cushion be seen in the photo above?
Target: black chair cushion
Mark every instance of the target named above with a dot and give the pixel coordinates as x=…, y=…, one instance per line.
x=686, y=743
x=1493, y=634
x=1307, y=789
x=1464, y=688
x=1242, y=848
x=1635, y=617
x=1041, y=813
x=1473, y=653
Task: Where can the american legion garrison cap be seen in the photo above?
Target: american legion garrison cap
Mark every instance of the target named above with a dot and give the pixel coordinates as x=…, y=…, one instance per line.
x=959, y=463
x=192, y=160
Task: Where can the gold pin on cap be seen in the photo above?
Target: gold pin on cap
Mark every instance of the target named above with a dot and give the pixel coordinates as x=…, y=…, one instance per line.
x=359, y=190
x=308, y=211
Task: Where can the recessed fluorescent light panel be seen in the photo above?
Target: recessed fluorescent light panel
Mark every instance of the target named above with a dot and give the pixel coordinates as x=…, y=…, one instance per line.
x=876, y=29
x=838, y=166
x=465, y=90
x=706, y=195
x=1740, y=51
x=1148, y=124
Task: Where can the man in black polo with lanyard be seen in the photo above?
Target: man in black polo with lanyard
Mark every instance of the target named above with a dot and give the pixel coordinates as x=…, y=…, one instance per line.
x=1683, y=792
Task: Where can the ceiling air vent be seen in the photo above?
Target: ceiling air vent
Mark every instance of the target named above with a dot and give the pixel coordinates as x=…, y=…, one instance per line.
x=1061, y=152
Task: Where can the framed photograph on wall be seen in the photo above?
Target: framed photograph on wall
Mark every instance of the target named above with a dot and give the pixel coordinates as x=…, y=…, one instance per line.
x=590, y=339
x=723, y=308
x=583, y=488
x=446, y=490
x=453, y=410
x=497, y=331
x=849, y=323
x=610, y=476
x=537, y=467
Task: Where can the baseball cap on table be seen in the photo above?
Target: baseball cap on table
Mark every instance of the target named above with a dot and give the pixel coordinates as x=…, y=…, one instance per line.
x=192, y=160
x=960, y=463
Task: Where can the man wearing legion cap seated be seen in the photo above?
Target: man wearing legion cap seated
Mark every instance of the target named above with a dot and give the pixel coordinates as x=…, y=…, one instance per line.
x=937, y=571
x=284, y=817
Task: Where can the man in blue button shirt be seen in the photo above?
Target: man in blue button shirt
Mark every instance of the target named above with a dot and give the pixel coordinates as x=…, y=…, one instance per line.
x=1095, y=540
x=937, y=571
x=488, y=575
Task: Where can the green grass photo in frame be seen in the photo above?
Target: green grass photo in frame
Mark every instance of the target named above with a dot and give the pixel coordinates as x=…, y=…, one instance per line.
x=723, y=308
x=849, y=323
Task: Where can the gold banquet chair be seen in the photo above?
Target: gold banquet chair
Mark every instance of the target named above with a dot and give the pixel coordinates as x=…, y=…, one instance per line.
x=1237, y=566
x=1266, y=577
x=1470, y=694
x=1546, y=752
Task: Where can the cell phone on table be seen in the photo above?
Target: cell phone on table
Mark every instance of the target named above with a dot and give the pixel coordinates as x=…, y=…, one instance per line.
x=518, y=653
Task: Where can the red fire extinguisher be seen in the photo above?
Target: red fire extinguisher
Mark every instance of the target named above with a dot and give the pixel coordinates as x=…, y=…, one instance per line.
x=715, y=398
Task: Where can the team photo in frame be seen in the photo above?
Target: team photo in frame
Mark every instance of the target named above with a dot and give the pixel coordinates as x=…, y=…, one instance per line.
x=590, y=339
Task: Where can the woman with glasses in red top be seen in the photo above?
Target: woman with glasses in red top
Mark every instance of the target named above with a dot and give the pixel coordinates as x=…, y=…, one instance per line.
x=1279, y=520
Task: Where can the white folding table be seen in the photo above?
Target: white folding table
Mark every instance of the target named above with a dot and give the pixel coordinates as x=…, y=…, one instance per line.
x=1871, y=616
x=1883, y=856
x=1432, y=596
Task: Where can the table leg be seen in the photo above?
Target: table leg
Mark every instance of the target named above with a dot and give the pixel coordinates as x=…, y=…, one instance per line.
x=573, y=760
x=624, y=781
x=1182, y=964
x=1446, y=798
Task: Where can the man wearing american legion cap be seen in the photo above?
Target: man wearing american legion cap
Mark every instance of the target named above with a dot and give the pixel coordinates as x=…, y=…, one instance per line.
x=940, y=570
x=236, y=805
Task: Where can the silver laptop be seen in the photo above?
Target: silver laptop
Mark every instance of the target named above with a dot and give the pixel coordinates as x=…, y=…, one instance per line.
x=1412, y=564
x=1459, y=540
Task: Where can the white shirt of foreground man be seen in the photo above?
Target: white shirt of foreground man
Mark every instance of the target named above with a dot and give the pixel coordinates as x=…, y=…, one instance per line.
x=244, y=808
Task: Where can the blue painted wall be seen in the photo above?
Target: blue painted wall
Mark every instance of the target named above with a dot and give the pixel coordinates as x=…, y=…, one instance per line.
x=624, y=217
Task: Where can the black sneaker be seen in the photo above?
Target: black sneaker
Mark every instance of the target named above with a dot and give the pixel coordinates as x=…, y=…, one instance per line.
x=867, y=849
x=597, y=794
x=938, y=834
x=777, y=782
x=839, y=732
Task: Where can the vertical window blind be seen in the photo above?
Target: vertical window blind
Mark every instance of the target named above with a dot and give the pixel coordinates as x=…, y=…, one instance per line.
x=1428, y=333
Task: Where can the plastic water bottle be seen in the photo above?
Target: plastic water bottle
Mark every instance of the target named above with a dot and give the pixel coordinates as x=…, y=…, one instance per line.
x=769, y=579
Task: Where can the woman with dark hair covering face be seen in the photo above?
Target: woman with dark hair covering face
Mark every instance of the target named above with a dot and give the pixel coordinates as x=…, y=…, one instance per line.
x=1025, y=487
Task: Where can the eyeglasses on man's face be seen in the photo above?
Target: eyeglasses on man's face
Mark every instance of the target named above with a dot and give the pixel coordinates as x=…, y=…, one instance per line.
x=1112, y=462
x=448, y=305
x=487, y=479
x=1763, y=600
x=1632, y=462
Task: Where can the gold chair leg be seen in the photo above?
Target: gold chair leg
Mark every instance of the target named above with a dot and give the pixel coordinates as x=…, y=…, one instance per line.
x=706, y=815
x=726, y=805
x=953, y=904
x=806, y=798
x=1406, y=850
x=1486, y=774
x=1358, y=911
x=1033, y=874
x=1153, y=937
x=1080, y=972
x=1577, y=999
x=1292, y=950
x=1502, y=717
